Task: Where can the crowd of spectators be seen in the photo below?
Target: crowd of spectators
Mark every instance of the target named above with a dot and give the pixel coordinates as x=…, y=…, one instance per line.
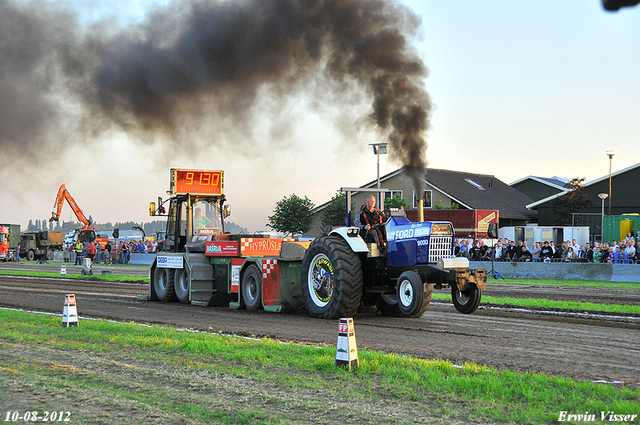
x=117, y=252
x=621, y=252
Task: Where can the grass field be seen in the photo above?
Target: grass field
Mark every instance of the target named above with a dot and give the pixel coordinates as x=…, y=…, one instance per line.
x=566, y=283
x=551, y=304
x=102, y=277
x=105, y=373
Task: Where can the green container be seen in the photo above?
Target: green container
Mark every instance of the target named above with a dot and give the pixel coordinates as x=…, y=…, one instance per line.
x=617, y=226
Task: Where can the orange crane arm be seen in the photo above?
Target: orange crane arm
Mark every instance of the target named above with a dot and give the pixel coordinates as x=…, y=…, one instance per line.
x=63, y=194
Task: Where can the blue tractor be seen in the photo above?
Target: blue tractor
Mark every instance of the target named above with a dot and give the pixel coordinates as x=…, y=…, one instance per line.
x=341, y=271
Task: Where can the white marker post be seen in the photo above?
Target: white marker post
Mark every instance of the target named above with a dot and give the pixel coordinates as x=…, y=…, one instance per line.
x=346, y=349
x=70, y=312
x=87, y=267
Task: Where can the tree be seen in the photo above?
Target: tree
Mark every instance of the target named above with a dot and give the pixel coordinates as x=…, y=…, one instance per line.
x=292, y=215
x=395, y=202
x=335, y=214
x=571, y=202
x=439, y=206
x=232, y=227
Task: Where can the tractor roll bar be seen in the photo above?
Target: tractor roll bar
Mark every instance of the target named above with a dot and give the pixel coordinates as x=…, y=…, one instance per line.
x=349, y=190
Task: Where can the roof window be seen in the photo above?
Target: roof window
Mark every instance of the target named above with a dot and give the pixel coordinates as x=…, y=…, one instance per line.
x=474, y=184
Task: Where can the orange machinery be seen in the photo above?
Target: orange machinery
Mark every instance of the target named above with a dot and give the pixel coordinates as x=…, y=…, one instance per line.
x=85, y=235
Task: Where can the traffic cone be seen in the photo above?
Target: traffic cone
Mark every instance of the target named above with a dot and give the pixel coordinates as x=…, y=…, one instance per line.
x=63, y=270
x=70, y=312
x=346, y=349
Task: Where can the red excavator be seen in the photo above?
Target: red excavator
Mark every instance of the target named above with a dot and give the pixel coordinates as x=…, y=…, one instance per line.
x=85, y=235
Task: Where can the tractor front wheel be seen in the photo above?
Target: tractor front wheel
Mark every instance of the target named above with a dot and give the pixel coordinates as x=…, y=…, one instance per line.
x=387, y=305
x=331, y=278
x=466, y=301
x=414, y=296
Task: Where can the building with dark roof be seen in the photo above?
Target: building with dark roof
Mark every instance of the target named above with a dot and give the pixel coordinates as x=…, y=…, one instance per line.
x=538, y=188
x=625, y=197
x=446, y=188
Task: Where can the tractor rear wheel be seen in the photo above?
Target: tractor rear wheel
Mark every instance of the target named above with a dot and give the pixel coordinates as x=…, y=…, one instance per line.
x=466, y=301
x=331, y=278
x=182, y=285
x=252, y=288
x=414, y=296
x=163, y=283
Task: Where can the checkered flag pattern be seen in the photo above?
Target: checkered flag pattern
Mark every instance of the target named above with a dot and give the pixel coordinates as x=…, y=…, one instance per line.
x=267, y=266
x=245, y=243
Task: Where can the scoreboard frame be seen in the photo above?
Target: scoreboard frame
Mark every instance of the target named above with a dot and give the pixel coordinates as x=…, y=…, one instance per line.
x=186, y=181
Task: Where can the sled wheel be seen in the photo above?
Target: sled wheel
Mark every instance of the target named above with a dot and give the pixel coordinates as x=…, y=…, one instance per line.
x=163, y=283
x=252, y=287
x=182, y=285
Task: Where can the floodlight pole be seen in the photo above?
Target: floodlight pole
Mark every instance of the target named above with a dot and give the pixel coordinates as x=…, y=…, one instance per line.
x=610, y=154
x=603, y=196
x=378, y=149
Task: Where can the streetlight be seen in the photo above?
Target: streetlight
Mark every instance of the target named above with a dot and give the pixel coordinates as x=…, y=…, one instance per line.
x=379, y=149
x=602, y=196
x=610, y=154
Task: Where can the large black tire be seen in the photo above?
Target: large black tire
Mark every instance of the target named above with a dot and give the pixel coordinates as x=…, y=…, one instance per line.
x=251, y=287
x=331, y=278
x=466, y=302
x=414, y=296
x=31, y=255
x=163, y=283
x=182, y=285
x=387, y=305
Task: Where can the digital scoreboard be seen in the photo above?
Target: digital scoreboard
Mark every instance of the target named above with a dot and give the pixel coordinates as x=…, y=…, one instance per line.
x=197, y=182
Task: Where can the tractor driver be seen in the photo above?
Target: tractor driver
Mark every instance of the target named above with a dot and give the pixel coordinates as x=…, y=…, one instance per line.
x=370, y=222
x=201, y=220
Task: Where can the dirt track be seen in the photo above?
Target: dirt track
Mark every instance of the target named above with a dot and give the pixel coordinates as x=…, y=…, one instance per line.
x=584, y=346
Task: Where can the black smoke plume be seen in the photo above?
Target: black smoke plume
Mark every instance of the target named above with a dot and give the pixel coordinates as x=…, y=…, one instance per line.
x=62, y=82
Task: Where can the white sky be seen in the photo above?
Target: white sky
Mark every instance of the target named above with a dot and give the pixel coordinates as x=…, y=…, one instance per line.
x=520, y=88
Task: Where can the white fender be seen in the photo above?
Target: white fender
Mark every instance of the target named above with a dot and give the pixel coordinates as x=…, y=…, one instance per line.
x=352, y=236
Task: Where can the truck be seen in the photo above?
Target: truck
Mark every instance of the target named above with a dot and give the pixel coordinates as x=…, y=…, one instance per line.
x=9, y=241
x=40, y=245
x=331, y=276
x=468, y=224
x=87, y=233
